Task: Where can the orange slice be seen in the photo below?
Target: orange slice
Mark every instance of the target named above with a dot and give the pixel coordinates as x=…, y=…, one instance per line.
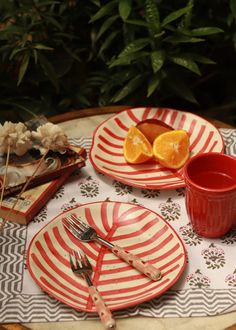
x=137, y=149
x=171, y=149
x=152, y=128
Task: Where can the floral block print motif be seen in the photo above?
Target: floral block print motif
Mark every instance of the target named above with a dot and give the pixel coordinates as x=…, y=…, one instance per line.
x=214, y=257
x=230, y=237
x=170, y=210
x=231, y=279
x=189, y=236
x=89, y=187
x=121, y=188
x=150, y=193
x=198, y=280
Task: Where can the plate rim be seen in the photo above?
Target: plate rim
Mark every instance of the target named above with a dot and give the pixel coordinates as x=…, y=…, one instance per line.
x=121, y=179
x=129, y=304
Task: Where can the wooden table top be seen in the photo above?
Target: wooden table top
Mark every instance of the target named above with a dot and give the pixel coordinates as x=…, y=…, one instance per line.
x=75, y=114
x=113, y=109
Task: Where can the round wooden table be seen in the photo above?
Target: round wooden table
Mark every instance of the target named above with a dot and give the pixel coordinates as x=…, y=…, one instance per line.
x=77, y=114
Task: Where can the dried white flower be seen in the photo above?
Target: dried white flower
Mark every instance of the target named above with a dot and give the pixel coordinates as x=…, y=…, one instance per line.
x=16, y=136
x=50, y=136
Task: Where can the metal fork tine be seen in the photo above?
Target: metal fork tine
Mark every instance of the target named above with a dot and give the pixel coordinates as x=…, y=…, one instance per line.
x=87, y=261
x=78, y=259
x=76, y=224
x=71, y=228
x=78, y=220
x=82, y=267
x=71, y=263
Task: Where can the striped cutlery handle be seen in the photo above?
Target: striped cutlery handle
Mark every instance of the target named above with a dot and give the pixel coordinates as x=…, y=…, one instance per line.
x=143, y=266
x=103, y=311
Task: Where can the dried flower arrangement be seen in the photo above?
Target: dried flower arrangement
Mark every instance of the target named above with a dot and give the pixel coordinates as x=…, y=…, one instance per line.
x=16, y=139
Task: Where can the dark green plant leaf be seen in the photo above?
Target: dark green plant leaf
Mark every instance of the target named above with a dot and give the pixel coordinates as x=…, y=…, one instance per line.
x=125, y=7
x=128, y=59
x=153, y=84
x=71, y=53
x=188, y=16
x=152, y=14
x=117, y=79
x=35, y=55
x=205, y=31
x=106, y=43
x=106, y=25
x=158, y=59
x=137, y=22
x=4, y=49
x=10, y=31
x=54, y=22
x=178, y=39
x=180, y=88
x=157, y=35
x=233, y=8
x=132, y=85
x=23, y=67
x=200, y=58
x=134, y=46
x=47, y=3
x=42, y=47
x=18, y=104
x=107, y=9
x=96, y=2
x=48, y=70
x=175, y=15
x=186, y=62
x=17, y=51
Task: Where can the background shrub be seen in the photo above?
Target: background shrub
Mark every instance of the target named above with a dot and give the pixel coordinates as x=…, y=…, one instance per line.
x=57, y=56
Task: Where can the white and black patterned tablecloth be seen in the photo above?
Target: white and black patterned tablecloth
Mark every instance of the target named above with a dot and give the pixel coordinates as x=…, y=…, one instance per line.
x=207, y=287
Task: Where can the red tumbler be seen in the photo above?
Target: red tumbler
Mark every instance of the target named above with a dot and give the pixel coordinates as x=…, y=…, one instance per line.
x=211, y=193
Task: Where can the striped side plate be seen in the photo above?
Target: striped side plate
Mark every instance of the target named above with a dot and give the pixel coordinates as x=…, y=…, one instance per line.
x=106, y=154
x=137, y=229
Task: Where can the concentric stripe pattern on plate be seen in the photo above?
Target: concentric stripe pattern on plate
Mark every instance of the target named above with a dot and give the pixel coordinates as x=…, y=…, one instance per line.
x=107, y=150
x=118, y=282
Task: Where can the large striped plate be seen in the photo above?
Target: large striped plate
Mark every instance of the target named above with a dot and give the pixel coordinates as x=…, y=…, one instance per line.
x=106, y=154
x=133, y=227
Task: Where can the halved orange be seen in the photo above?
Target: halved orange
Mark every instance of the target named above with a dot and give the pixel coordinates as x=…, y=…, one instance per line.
x=171, y=149
x=152, y=128
x=137, y=149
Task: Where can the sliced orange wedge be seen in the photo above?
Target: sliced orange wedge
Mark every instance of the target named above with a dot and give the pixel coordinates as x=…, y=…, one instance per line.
x=152, y=128
x=137, y=149
x=171, y=149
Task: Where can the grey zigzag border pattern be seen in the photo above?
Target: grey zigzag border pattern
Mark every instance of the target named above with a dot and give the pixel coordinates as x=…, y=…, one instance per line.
x=17, y=307
x=43, y=308
x=12, y=249
x=229, y=136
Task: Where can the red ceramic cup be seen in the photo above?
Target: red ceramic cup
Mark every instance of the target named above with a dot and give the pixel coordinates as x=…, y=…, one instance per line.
x=210, y=196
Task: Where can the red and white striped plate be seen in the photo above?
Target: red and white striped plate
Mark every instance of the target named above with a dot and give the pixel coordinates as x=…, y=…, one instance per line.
x=131, y=226
x=106, y=154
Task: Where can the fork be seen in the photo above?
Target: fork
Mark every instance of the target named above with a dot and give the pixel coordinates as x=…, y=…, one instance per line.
x=81, y=266
x=85, y=233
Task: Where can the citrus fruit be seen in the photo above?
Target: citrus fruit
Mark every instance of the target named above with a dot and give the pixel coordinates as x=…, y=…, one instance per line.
x=152, y=128
x=171, y=149
x=137, y=149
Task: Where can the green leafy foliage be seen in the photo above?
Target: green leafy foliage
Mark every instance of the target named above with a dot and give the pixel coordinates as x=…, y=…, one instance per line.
x=59, y=55
x=154, y=40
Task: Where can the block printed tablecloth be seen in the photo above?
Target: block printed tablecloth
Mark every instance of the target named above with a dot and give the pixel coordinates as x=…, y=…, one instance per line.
x=207, y=286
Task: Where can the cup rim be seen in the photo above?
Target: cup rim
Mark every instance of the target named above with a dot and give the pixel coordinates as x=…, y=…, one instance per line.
x=213, y=190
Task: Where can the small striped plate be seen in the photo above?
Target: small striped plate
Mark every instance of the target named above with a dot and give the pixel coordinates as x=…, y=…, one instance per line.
x=106, y=153
x=131, y=226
